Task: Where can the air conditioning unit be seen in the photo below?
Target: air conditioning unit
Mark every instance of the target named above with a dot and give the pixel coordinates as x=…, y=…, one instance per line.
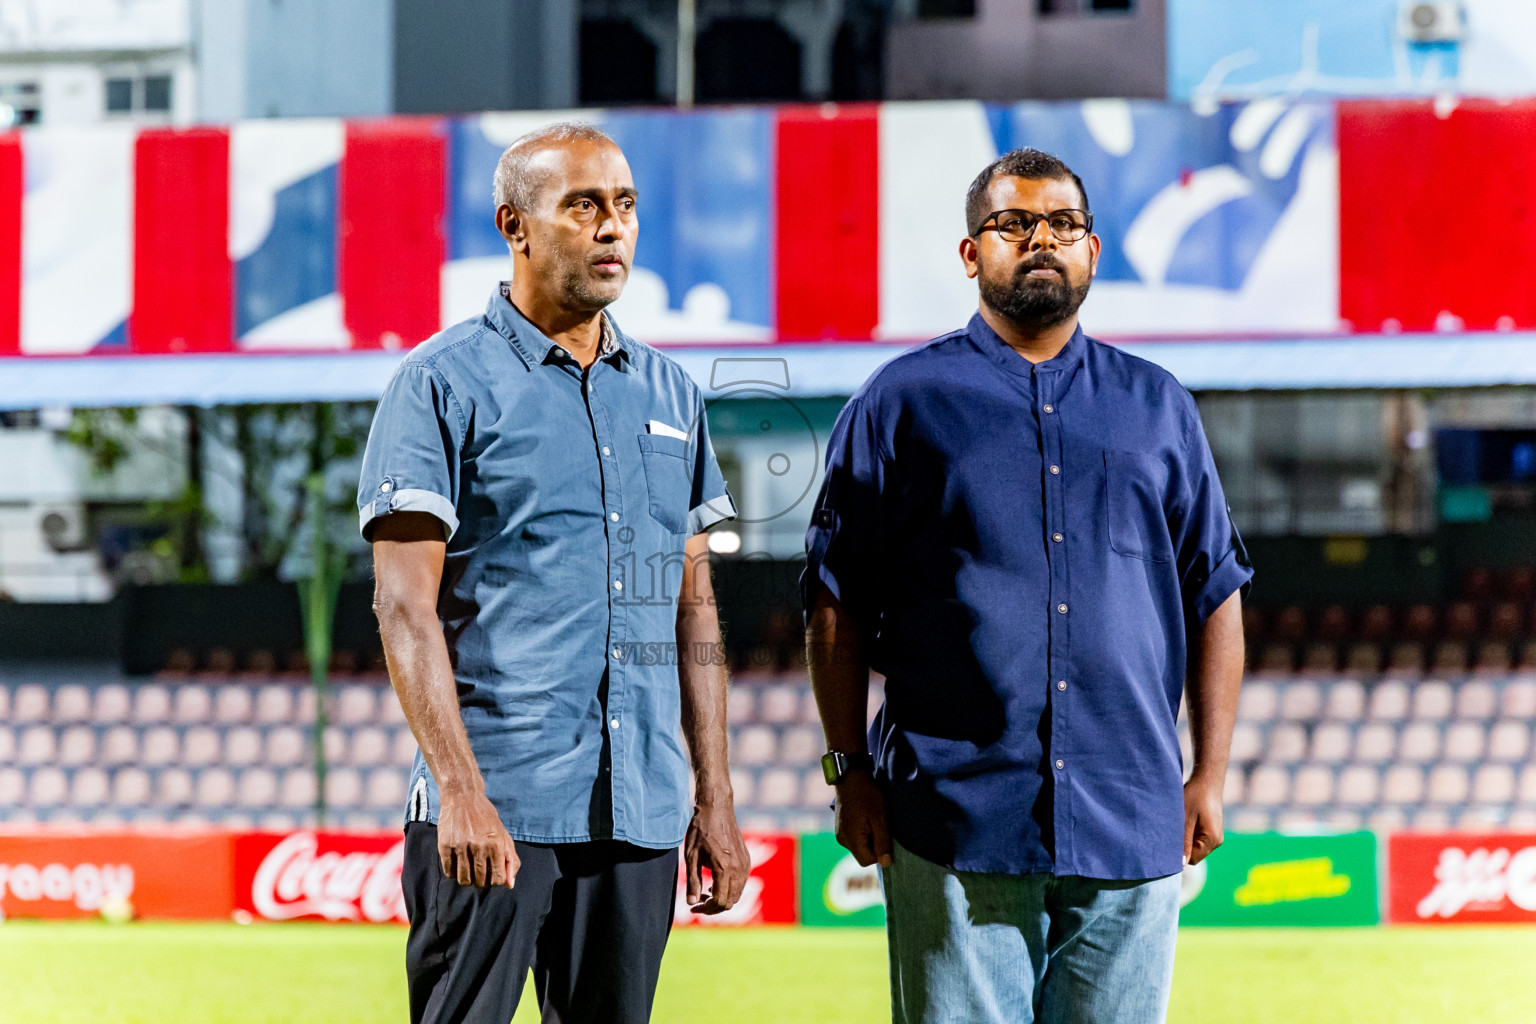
x=64, y=527
x=1432, y=21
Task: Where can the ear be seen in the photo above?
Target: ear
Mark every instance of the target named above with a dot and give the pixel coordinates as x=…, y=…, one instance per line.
x=1093, y=255
x=969, y=256
x=512, y=227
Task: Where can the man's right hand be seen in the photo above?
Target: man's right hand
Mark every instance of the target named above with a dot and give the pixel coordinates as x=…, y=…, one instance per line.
x=860, y=818
x=473, y=844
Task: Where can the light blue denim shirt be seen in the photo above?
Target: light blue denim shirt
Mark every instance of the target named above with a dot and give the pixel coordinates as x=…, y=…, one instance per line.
x=566, y=498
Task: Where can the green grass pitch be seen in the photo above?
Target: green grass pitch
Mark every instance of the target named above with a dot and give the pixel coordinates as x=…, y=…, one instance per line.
x=301, y=973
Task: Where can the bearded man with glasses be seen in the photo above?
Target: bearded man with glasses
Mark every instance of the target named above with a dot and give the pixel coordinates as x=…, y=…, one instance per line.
x=1023, y=530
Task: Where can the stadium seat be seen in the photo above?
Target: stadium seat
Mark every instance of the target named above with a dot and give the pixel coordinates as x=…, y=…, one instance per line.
x=1476, y=699
x=740, y=704
x=1419, y=622
x=257, y=788
x=304, y=706
x=755, y=744
x=1420, y=743
x=1448, y=785
x=1346, y=701
x=800, y=745
x=1493, y=658
x=274, y=705
x=1257, y=701
x=1277, y=659
x=1287, y=744
x=298, y=789
x=743, y=787
x=215, y=788
x=1364, y=659
x=390, y=711
x=343, y=788
x=7, y=748
x=1481, y=818
x=403, y=748
x=201, y=746
x=1290, y=625
x=1509, y=741
x=1386, y=819
x=234, y=704
x=1493, y=784
x=1432, y=701
x=1519, y=699
x=1406, y=658
x=1320, y=659
x=1333, y=624
x=1331, y=743
x=1522, y=819
x=151, y=704
x=1465, y=742
x=242, y=747
x=193, y=705
x=162, y=746
x=47, y=788
x=355, y=704
x=1247, y=742
x=1268, y=786
x=1403, y=784
x=1249, y=819
x=111, y=704
x=36, y=746
x=13, y=787
x=1186, y=748
x=1451, y=656
x=90, y=787
x=29, y=703
x=286, y=747
x=815, y=794
x=1301, y=702
x=337, y=744
x=370, y=747
x=1525, y=789
x=1232, y=786
x=386, y=789
x=174, y=789
x=1461, y=621
x=71, y=704
x=1430, y=819
x=1376, y=624
x=778, y=787
x=1359, y=786
x=5, y=703
x=77, y=746
x=119, y=746
x=779, y=705
x=1342, y=819
x=1312, y=786
x=1389, y=701
x=130, y=788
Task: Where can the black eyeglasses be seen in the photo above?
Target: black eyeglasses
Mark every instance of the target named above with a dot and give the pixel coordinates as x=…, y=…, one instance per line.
x=1019, y=225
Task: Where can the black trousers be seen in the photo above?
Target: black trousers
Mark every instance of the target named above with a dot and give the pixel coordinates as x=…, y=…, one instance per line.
x=590, y=919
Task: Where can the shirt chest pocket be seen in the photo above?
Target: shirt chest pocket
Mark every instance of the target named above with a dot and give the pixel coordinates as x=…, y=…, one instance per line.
x=667, y=482
x=1134, y=484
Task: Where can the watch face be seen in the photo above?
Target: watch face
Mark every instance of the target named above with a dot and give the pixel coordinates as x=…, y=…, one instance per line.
x=829, y=769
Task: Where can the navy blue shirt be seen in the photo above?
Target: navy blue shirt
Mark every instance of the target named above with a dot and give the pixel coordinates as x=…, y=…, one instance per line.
x=1023, y=547
x=566, y=497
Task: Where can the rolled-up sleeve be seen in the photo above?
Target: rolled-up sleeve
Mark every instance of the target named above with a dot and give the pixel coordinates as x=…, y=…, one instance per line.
x=843, y=543
x=412, y=460
x=1212, y=562
x=709, y=502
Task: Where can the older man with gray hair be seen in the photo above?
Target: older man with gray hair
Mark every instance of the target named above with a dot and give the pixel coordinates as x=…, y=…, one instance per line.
x=536, y=489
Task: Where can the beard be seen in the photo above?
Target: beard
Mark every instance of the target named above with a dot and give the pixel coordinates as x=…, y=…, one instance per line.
x=1034, y=303
x=578, y=288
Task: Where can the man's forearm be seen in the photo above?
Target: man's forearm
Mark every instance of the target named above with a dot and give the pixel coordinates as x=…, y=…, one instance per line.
x=839, y=673
x=422, y=675
x=1215, y=679
x=701, y=674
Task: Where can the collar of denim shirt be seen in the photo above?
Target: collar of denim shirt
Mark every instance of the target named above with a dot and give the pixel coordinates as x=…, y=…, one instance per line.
x=535, y=347
x=999, y=351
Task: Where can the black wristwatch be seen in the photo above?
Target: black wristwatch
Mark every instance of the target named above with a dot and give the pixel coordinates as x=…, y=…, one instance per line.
x=835, y=765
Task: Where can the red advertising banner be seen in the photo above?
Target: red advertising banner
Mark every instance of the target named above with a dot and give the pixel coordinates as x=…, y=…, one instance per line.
x=83, y=874
x=770, y=896
x=328, y=876
x=1461, y=878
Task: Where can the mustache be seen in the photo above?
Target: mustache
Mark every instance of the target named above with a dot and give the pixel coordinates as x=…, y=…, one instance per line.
x=616, y=255
x=1041, y=261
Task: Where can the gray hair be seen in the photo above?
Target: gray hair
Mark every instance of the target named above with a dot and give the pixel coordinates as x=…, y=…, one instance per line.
x=514, y=184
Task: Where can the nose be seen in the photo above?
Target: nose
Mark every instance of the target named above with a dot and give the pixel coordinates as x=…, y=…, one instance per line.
x=1042, y=238
x=612, y=227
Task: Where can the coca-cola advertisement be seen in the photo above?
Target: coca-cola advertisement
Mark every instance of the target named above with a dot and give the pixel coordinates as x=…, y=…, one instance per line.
x=1462, y=878
x=328, y=876
x=115, y=875
x=769, y=896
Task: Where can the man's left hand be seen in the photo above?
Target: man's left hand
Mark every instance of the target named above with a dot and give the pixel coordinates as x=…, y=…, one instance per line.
x=1202, y=817
x=714, y=841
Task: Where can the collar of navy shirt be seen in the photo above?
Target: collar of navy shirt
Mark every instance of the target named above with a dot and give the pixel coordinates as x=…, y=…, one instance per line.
x=1000, y=352
x=534, y=346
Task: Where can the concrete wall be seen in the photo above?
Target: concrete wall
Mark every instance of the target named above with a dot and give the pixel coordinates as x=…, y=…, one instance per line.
x=475, y=55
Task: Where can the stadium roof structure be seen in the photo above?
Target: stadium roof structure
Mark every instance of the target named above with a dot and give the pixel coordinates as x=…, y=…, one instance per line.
x=805, y=370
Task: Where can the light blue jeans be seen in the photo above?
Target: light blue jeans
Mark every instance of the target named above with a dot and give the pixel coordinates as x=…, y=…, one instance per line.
x=973, y=948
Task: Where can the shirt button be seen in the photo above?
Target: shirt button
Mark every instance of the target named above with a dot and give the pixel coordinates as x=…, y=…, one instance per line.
x=619, y=585
x=1060, y=763
x=1050, y=409
x=1055, y=470
x=1061, y=684
x=606, y=451
x=560, y=352
x=613, y=723
x=616, y=654
x=1060, y=608
x=614, y=516
x=1056, y=537
x=386, y=486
